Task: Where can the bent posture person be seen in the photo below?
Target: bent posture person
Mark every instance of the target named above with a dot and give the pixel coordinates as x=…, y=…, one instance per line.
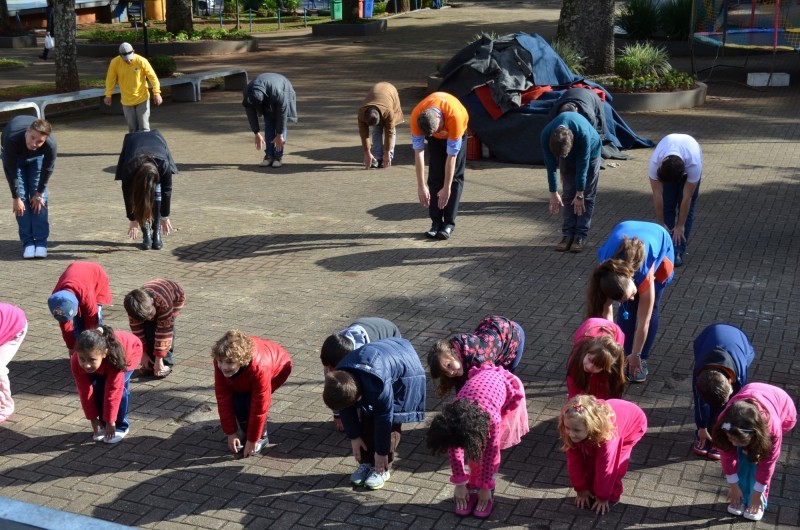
x=29, y=157
x=132, y=72
x=272, y=96
x=380, y=110
x=675, y=171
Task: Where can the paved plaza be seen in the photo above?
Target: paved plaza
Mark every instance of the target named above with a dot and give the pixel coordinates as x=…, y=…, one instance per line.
x=295, y=253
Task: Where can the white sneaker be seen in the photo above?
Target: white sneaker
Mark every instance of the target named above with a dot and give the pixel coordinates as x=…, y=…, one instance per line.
x=118, y=437
x=29, y=252
x=360, y=474
x=736, y=511
x=754, y=516
x=376, y=480
x=277, y=163
x=261, y=444
x=268, y=161
x=101, y=433
x=40, y=252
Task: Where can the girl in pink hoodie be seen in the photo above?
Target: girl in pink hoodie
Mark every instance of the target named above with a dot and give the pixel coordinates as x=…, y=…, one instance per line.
x=598, y=438
x=596, y=364
x=748, y=434
x=13, y=327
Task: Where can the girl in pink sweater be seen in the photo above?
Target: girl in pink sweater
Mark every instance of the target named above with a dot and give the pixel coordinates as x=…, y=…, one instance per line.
x=13, y=327
x=748, y=434
x=596, y=364
x=598, y=438
x=102, y=366
x=487, y=415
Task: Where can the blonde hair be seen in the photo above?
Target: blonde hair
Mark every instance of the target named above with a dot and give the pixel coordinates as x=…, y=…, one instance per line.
x=609, y=279
x=598, y=418
x=235, y=346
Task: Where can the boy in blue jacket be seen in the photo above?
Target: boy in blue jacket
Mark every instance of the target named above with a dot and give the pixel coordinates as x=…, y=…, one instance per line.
x=376, y=388
x=722, y=355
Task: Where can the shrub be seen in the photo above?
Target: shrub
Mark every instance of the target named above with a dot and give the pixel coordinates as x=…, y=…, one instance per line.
x=164, y=65
x=667, y=83
x=675, y=19
x=570, y=55
x=642, y=60
x=379, y=8
x=640, y=19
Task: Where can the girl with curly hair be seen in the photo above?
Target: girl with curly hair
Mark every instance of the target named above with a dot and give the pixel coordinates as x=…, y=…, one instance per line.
x=598, y=438
x=636, y=264
x=102, y=365
x=247, y=370
x=487, y=415
x=496, y=341
x=748, y=434
x=596, y=363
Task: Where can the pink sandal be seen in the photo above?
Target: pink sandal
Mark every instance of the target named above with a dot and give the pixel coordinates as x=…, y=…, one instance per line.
x=472, y=500
x=486, y=512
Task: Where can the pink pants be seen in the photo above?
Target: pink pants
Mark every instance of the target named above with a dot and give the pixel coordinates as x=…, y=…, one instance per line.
x=7, y=352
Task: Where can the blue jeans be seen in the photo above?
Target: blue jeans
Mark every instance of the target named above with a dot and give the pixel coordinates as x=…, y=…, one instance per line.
x=150, y=327
x=746, y=470
x=520, y=349
x=672, y=195
x=79, y=326
x=377, y=142
x=628, y=325
x=269, y=135
x=33, y=227
x=99, y=386
x=578, y=225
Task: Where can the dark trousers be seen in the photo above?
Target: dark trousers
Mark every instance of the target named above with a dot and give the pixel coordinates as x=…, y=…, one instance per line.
x=578, y=225
x=150, y=342
x=98, y=391
x=437, y=157
x=628, y=325
x=672, y=196
x=242, y=400
x=513, y=366
x=78, y=325
x=368, y=437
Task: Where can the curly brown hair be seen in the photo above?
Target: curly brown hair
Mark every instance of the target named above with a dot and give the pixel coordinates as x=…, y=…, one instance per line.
x=236, y=346
x=744, y=421
x=607, y=355
x=610, y=278
x=463, y=424
x=598, y=418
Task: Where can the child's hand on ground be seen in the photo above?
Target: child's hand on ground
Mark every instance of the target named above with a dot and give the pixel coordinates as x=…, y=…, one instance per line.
x=734, y=495
x=158, y=365
x=133, y=230
x=96, y=427
x=484, y=496
x=583, y=499
x=337, y=422
x=381, y=463
x=460, y=496
x=600, y=507
x=702, y=435
x=249, y=448
x=111, y=430
x=358, y=444
x=756, y=502
x=234, y=444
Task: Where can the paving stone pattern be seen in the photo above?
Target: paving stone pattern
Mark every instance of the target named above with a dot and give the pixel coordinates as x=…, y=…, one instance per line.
x=297, y=253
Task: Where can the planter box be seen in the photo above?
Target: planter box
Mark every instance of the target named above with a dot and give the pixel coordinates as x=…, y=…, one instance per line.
x=339, y=29
x=650, y=101
x=21, y=41
x=203, y=47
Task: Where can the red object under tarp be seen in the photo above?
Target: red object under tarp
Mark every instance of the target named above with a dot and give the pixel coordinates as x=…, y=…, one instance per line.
x=484, y=94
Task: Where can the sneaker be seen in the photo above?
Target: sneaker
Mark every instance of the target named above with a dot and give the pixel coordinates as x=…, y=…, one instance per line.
x=713, y=453
x=277, y=163
x=431, y=234
x=641, y=377
x=564, y=245
x=736, y=511
x=701, y=448
x=40, y=252
x=374, y=164
x=678, y=260
x=29, y=252
x=360, y=474
x=101, y=433
x=262, y=443
x=118, y=436
x=268, y=161
x=754, y=516
x=577, y=245
x=375, y=481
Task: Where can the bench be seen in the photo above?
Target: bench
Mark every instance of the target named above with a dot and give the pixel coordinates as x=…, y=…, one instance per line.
x=234, y=78
x=8, y=106
x=43, y=101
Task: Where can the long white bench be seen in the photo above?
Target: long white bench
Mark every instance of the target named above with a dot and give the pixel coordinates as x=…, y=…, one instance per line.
x=234, y=78
x=8, y=106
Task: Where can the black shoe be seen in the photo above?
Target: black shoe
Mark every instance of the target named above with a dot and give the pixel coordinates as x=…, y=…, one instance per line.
x=157, y=243
x=564, y=245
x=678, y=260
x=379, y=164
x=147, y=242
x=577, y=245
x=445, y=233
x=374, y=164
x=431, y=234
x=42, y=57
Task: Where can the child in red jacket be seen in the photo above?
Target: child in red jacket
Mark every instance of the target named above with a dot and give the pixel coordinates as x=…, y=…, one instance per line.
x=76, y=301
x=598, y=438
x=102, y=366
x=596, y=364
x=247, y=370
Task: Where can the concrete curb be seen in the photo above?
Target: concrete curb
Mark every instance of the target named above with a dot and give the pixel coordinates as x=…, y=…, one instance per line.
x=652, y=101
x=206, y=47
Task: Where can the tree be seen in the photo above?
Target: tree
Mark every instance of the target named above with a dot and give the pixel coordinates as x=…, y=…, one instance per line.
x=64, y=19
x=589, y=26
x=5, y=26
x=179, y=16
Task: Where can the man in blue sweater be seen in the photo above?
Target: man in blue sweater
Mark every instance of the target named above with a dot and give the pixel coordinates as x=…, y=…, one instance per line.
x=571, y=145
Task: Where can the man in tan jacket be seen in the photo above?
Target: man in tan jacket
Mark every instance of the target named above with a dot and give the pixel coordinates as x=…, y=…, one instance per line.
x=381, y=110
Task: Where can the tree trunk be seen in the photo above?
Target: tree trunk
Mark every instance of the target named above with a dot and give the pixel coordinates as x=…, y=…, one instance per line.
x=179, y=16
x=5, y=26
x=349, y=10
x=589, y=26
x=403, y=6
x=64, y=20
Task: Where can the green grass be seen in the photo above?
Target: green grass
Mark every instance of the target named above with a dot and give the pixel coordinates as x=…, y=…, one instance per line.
x=43, y=89
x=11, y=63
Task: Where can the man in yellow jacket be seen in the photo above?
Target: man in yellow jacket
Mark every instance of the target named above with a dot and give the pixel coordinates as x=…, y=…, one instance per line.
x=132, y=72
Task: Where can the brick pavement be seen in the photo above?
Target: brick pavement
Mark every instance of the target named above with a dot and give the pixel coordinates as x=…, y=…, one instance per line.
x=295, y=253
